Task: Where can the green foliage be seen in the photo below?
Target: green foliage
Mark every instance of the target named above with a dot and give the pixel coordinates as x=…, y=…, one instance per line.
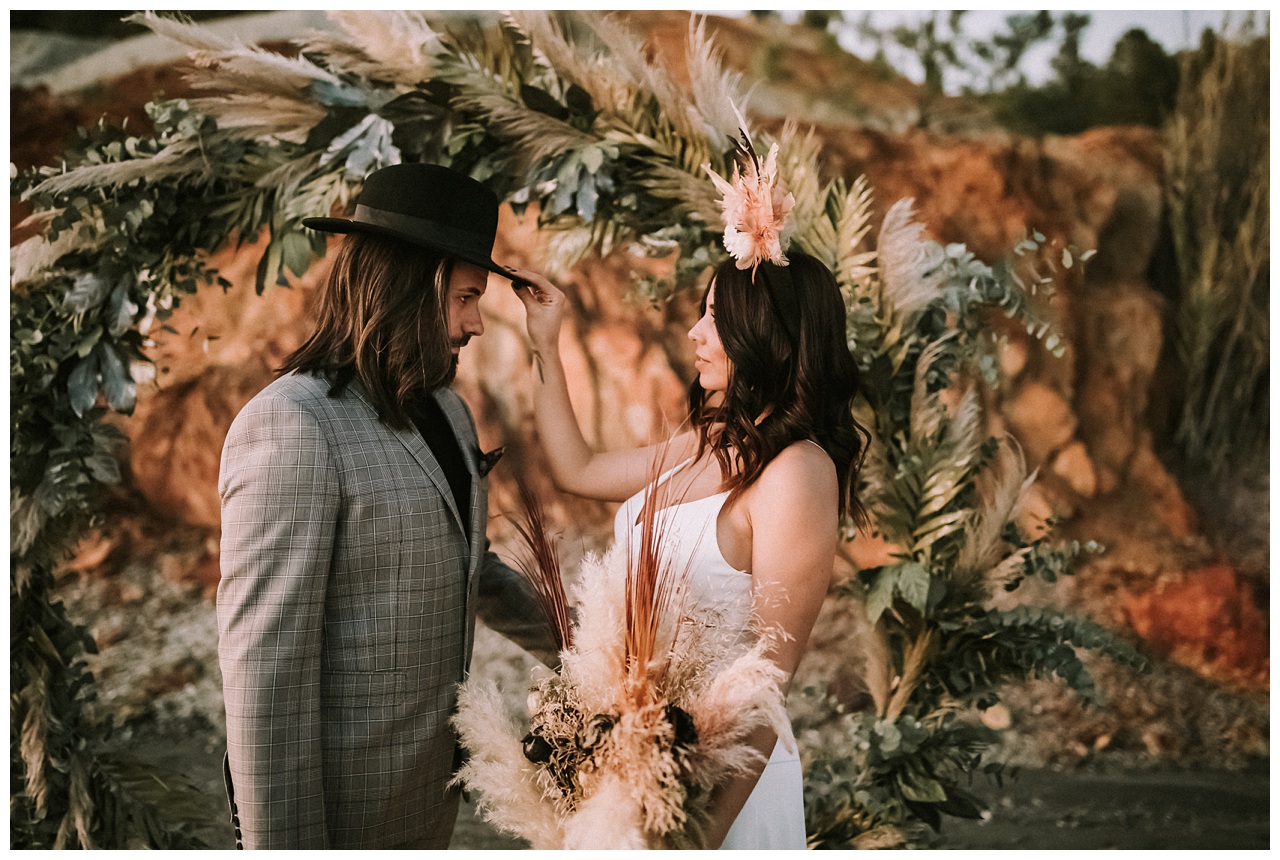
x=1217, y=190
x=988, y=648
x=1136, y=87
x=893, y=778
x=61, y=793
x=945, y=497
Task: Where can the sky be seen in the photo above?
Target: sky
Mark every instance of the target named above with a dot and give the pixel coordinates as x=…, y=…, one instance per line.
x=1174, y=29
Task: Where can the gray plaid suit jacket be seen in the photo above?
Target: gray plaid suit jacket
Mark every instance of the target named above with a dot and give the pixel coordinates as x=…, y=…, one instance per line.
x=346, y=614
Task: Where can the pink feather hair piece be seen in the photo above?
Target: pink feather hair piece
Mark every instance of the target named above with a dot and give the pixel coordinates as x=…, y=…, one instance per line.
x=755, y=207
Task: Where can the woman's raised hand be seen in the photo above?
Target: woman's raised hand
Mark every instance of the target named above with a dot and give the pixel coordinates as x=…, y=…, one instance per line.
x=544, y=305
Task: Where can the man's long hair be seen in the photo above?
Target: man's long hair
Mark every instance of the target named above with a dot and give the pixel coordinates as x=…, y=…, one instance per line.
x=382, y=320
x=782, y=388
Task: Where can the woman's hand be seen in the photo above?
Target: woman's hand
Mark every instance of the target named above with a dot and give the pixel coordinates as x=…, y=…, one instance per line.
x=544, y=305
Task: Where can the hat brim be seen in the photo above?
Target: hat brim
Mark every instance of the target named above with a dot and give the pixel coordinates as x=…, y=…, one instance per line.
x=349, y=225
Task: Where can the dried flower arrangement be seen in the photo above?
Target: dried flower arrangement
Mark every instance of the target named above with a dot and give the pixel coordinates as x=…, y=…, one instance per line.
x=646, y=715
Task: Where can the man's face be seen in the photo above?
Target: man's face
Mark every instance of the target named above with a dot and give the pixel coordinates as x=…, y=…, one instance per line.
x=462, y=304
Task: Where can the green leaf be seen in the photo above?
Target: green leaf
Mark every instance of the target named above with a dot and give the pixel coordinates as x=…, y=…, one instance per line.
x=87, y=291
x=913, y=584
x=91, y=338
x=880, y=597
x=121, y=309
x=542, y=102
x=117, y=384
x=82, y=385
x=593, y=158
x=295, y=252
x=103, y=468
x=921, y=789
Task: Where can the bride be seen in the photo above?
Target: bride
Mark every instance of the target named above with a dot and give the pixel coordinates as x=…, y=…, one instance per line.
x=758, y=487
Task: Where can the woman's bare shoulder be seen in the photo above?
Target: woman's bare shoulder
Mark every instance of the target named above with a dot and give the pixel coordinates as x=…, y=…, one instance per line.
x=802, y=472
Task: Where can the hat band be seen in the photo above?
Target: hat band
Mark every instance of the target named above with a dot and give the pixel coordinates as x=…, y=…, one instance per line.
x=432, y=231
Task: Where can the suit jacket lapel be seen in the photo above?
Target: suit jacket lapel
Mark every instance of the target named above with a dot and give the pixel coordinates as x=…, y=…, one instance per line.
x=412, y=440
x=460, y=422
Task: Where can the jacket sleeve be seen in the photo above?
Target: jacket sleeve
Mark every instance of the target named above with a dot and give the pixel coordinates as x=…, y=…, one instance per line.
x=279, y=490
x=506, y=602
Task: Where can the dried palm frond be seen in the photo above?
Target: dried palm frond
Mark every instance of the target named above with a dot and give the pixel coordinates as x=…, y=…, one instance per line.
x=874, y=640
x=798, y=158
x=854, y=268
x=696, y=194
x=915, y=658
x=910, y=265
x=541, y=566
x=926, y=411
x=34, y=733
x=533, y=135
x=604, y=63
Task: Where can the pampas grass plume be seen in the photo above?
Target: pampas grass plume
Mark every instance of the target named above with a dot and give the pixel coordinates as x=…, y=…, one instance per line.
x=505, y=781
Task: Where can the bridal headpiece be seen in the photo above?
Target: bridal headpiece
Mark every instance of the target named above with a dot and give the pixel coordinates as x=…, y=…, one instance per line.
x=757, y=226
x=756, y=206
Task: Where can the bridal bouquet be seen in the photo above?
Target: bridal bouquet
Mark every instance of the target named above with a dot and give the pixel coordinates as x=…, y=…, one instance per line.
x=646, y=715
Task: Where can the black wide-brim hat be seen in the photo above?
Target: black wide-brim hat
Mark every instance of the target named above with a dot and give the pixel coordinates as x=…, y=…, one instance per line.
x=427, y=205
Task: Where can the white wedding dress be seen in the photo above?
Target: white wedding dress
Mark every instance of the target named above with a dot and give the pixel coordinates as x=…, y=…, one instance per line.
x=773, y=816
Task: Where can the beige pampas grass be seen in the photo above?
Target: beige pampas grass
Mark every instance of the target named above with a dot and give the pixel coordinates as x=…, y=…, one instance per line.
x=512, y=798
x=182, y=158
x=910, y=266
x=396, y=45
x=609, y=819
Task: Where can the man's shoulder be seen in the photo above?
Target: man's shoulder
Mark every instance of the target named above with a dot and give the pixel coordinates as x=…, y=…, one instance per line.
x=301, y=396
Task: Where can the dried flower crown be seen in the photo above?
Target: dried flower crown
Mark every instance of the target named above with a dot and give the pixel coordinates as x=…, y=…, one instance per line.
x=755, y=207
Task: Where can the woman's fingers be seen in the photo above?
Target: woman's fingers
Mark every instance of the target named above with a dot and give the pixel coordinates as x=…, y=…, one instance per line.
x=533, y=285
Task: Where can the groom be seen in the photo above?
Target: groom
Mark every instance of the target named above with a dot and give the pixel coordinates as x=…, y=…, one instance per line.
x=354, y=557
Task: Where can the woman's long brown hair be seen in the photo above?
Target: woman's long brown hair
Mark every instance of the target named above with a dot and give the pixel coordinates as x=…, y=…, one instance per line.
x=382, y=320
x=788, y=380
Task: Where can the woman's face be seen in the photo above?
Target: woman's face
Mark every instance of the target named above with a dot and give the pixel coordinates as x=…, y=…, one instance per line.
x=709, y=358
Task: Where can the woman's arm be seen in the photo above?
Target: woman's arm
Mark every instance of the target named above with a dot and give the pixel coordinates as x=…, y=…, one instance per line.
x=794, y=517
x=575, y=467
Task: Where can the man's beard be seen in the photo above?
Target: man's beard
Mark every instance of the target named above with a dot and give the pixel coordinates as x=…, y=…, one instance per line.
x=453, y=358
